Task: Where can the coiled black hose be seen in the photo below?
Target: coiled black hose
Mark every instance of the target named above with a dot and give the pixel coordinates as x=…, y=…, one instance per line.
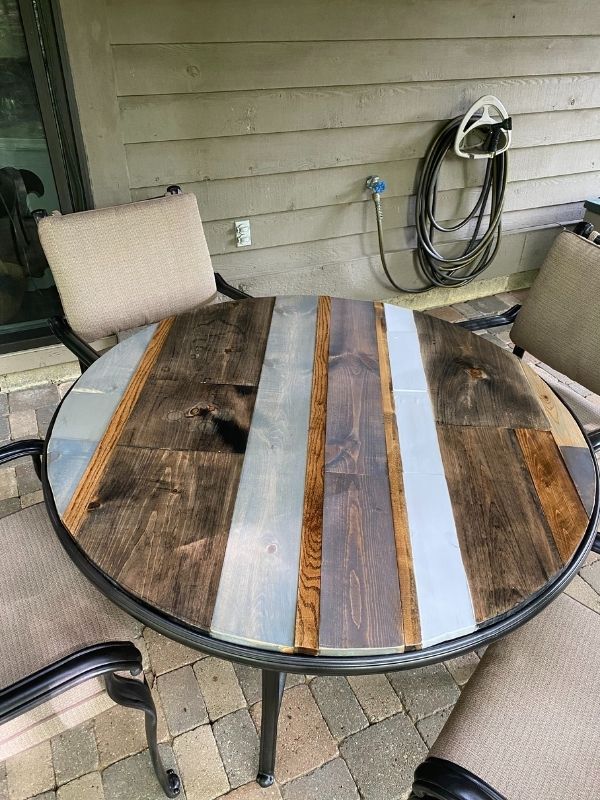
x=481, y=248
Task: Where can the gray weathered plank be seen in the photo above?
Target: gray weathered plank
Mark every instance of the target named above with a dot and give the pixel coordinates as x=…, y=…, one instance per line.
x=256, y=601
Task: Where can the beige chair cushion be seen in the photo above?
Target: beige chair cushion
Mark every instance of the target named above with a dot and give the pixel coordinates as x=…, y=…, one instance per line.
x=528, y=721
x=49, y=610
x=560, y=319
x=59, y=714
x=126, y=266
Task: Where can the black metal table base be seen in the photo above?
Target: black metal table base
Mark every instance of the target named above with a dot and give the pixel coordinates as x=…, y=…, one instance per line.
x=273, y=684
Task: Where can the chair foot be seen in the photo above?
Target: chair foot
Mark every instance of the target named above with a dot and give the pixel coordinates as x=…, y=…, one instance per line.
x=272, y=691
x=136, y=694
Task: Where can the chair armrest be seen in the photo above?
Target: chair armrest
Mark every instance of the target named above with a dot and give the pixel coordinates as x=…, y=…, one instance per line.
x=65, y=334
x=438, y=779
x=493, y=321
x=594, y=438
x=229, y=290
x=25, y=447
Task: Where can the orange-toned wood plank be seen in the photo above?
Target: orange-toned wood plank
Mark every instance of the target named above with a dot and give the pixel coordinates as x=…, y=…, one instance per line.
x=309, y=580
x=408, y=589
x=77, y=509
x=565, y=430
x=556, y=491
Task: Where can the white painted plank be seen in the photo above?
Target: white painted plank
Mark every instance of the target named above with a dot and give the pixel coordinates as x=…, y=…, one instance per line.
x=256, y=600
x=443, y=594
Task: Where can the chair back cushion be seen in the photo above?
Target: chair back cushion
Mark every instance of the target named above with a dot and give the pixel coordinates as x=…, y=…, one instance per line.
x=126, y=266
x=560, y=319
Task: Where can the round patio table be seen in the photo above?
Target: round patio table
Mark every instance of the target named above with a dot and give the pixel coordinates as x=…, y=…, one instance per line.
x=320, y=485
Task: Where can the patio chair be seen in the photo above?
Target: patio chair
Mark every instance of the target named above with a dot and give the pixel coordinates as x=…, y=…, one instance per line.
x=63, y=644
x=559, y=324
x=526, y=726
x=126, y=266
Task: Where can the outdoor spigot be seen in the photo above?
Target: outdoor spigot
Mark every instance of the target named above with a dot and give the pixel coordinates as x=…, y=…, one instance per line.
x=375, y=185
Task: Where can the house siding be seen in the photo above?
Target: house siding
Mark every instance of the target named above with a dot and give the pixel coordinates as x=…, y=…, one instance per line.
x=277, y=112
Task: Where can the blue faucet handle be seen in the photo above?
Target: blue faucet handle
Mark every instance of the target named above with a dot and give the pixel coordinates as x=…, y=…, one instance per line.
x=375, y=184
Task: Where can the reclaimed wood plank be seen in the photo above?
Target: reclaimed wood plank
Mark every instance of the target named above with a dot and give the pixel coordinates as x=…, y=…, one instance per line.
x=556, y=491
x=355, y=442
x=474, y=382
x=360, y=588
x=507, y=546
x=309, y=578
x=569, y=438
x=190, y=415
x=158, y=525
x=222, y=343
x=256, y=600
x=77, y=509
x=411, y=629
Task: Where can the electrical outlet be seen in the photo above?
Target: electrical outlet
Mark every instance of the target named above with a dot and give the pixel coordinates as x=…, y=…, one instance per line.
x=243, y=236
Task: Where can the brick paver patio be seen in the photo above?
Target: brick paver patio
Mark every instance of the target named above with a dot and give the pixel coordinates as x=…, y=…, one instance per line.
x=339, y=739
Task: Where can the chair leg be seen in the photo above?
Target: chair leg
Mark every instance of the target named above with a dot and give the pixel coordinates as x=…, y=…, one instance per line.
x=136, y=694
x=272, y=691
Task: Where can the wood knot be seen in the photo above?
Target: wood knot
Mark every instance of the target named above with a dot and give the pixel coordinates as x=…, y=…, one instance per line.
x=93, y=504
x=477, y=373
x=201, y=410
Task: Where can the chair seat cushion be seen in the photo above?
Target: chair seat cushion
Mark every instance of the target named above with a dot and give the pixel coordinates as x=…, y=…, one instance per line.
x=528, y=721
x=49, y=610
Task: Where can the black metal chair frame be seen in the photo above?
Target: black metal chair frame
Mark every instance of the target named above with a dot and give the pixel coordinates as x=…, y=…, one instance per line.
x=86, y=354
x=106, y=659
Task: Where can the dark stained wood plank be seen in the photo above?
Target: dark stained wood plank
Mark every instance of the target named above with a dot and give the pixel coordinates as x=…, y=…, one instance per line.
x=474, y=382
x=309, y=577
x=77, y=509
x=556, y=491
x=408, y=590
x=507, y=546
x=158, y=525
x=360, y=591
x=190, y=415
x=223, y=343
x=355, y=441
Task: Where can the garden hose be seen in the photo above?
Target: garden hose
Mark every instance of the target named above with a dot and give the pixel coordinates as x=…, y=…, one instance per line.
x=483, y=242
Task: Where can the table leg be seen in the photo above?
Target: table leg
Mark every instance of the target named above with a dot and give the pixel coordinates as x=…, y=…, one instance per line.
x=272, y=692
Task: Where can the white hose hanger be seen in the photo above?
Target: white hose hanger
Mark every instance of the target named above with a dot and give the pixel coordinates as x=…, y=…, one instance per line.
x=484, y=132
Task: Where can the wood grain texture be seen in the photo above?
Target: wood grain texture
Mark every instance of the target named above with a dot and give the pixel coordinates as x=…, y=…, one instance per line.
x=474, y=382
x=355, y=442
x=408, y=591
x=360, y=591
x=257, y=596
x=507, y=546
x=556, y=491
x=569, y=438
x=77, y=509
x=159, y=524
x=309, y=577
x=158, y=517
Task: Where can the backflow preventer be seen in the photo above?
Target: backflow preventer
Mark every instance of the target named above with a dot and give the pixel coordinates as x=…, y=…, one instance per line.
x=484, y=132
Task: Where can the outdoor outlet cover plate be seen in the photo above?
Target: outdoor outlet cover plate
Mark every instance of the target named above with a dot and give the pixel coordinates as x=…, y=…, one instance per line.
x=242, y=232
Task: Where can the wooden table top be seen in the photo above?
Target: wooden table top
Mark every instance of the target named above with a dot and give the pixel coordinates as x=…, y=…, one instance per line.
x=319, y=475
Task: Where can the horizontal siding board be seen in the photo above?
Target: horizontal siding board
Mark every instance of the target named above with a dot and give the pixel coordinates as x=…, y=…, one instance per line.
x=224, y=67
x=137, y=21
x=197, y=116
x=263, y=194
x=278, y=258
x=160, y=163
x=311, y=224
